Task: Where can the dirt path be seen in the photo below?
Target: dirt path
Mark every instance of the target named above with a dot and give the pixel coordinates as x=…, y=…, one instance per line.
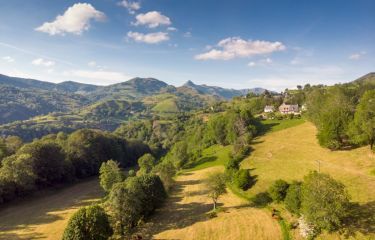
x=46, y=217
x=184, y=215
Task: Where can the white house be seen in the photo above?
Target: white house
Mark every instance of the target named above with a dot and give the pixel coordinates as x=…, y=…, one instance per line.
x=289, y=109
x=268, y=109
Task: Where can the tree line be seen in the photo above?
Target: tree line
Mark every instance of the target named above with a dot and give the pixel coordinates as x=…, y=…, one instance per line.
x=58, y=159
x=344, y=114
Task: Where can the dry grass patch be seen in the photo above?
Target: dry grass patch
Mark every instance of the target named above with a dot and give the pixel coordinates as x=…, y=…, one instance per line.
x=46, y=217
x=184, y=215
x=291, y=153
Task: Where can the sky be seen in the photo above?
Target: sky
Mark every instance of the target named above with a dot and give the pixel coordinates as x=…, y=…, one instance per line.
x=233, y=44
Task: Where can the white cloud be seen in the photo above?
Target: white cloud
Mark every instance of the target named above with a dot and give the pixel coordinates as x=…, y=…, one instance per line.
x=261, y=62
x=172, y=29
x=151, y=38
x=251, y=64
x=131, y=6
x=75, y=20
x=357, y=56
x=236, y=47
x=187, y=34
x=92, y=64
x=99, y=76
x=8, y=59
x=43, y=62
x=290, y=77
x=152, y=19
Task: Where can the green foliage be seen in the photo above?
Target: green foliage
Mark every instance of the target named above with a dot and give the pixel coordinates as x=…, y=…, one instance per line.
x=58, y=158
x=363, y=131
x=88, y=223
x=154, y=191
x=47, y=160
x=166, y=171
x=261, y=199
x=179, y=154
x=293, y=197
x=134, y=199
x=110, y=174
x=324, y=201
x=146, y=163
x=216, y=186
x=243, y=180
x=278, y=190
x=125, y=205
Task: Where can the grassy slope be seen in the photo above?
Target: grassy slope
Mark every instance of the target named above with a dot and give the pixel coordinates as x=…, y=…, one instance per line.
x=184, y=215
x=45, y=217
x=213, y=156
x=291, y=153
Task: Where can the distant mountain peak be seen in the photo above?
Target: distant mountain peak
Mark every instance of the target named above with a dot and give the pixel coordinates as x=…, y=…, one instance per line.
x=189, y=83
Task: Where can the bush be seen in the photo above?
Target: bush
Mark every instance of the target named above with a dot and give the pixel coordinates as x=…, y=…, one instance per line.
x=110, y=173
x=261, y=199
x=243, y=179
x=134, y=199
x=278, y=190
x=324, y=201
x=146, y=163
x=88, y=223
x=293, y=198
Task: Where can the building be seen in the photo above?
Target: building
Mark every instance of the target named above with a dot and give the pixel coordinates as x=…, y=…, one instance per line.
x=289, y=109
x=268, y=109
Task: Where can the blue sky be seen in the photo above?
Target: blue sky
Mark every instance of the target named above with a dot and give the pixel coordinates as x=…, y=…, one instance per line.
x=236, y=44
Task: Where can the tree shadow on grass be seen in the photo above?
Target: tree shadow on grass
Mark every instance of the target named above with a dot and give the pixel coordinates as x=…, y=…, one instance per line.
x=361, y=218
x=24, y=215
x=266, y=127
x=202, y=161
x=175, y=214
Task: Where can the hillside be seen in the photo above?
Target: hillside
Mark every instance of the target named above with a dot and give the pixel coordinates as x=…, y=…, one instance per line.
x=366, y=79
x=184, y=215
x=221, y=92
x=45, y=216
x=24, y=103
x=291, y=153
x=68, y=86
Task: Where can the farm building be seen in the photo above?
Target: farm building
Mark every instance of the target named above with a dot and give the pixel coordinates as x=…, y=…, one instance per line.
x=289, y=109
x=268, y=109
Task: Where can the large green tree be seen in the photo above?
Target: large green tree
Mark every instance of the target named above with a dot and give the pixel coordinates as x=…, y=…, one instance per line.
x=324, y=201
x=216, y=186
x=88, y=223
x=364, y=120
x=146, y=163
x=110, y=174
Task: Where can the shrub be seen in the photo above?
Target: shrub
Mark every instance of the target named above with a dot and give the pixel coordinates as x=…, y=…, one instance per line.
x=324, y=201
x=261, y=199
x=134, y=199
x=278, y=190
x=293, y=198
x=155, y=192
x=110, y=173
x=88, y=223
x=146, y=163
x=243, y=179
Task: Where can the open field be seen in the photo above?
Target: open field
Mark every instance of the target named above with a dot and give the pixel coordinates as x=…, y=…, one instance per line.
x=184, y=214
x=45, y=217
x=291, y=153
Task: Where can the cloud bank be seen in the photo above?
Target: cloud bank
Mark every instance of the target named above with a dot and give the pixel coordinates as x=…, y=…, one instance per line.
x=235, y=47
x=75, y=20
